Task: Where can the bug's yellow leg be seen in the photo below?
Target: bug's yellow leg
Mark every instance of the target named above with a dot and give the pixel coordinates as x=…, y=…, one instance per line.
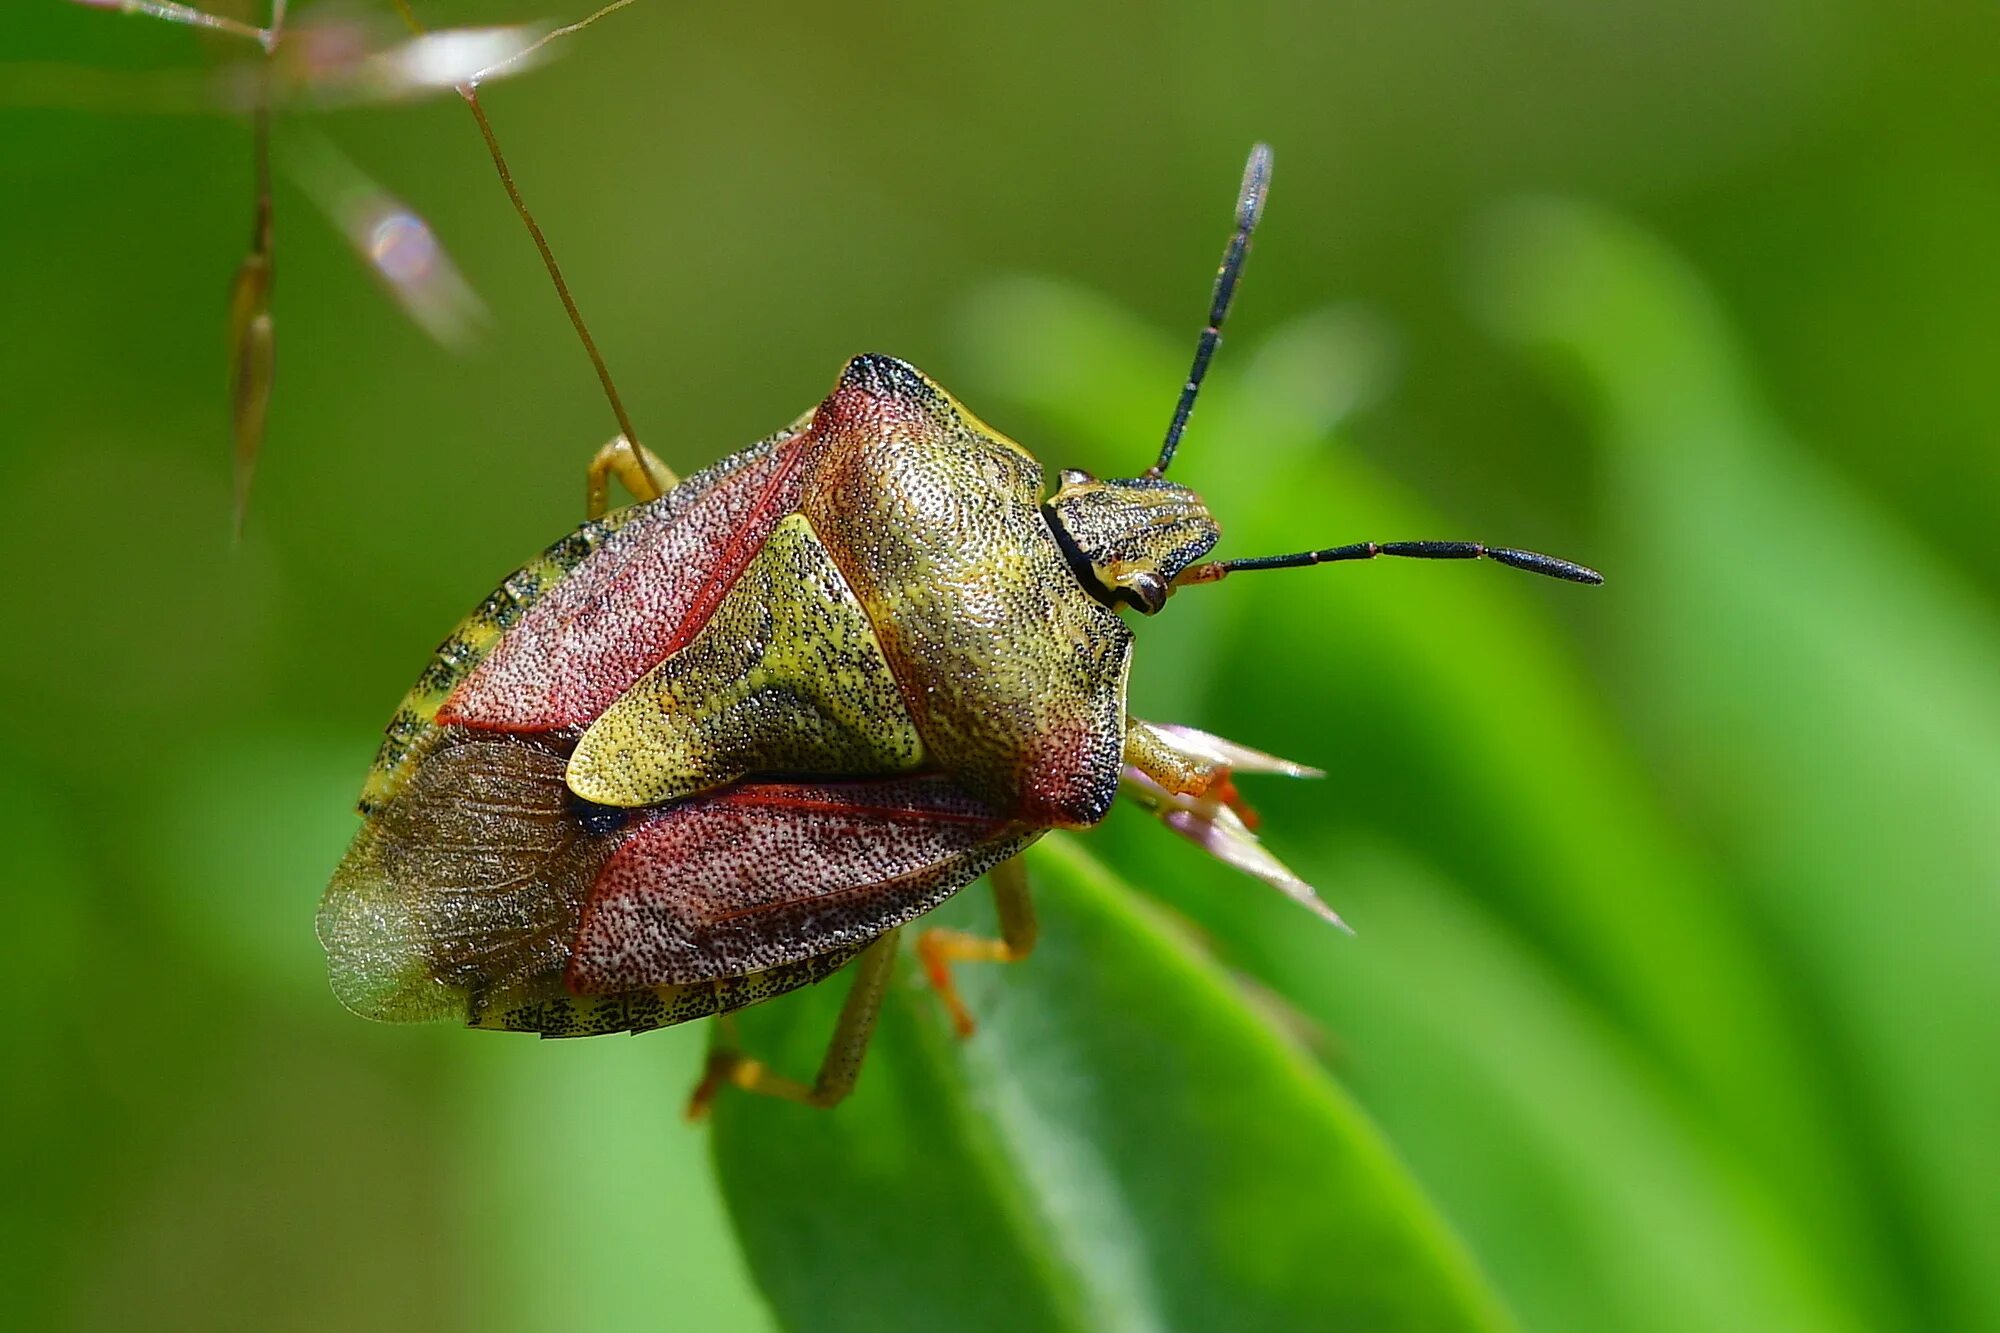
x=635, y=466
x=940, y=948
x=1165, y=764
x=729, y=1067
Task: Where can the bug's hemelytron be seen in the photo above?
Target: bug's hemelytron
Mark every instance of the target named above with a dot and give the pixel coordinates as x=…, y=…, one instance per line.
x=718, y=744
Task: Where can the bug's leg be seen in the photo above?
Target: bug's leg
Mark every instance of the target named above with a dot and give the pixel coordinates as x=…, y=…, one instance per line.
x=1188, y=779
x=730, y=1067
x=637, y=469
x=1169, y=761
x=1152, y=753
x=940, y=948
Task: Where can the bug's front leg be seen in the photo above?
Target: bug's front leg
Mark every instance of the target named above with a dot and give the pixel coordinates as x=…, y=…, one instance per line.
x=1188, y=778
x=729, y=1067
x=939, y=948
x=1183, y=762
x=637, y=468
x=1170, y=767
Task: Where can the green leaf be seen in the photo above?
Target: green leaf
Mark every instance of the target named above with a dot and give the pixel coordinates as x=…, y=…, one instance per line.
x=1453, y=719
x=1127, y=1143
x=1824, y=689
x=1517, y=1099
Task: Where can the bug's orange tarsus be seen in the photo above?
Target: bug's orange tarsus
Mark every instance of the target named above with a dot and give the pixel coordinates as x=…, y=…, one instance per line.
x=1225, y=791
x=939, y=948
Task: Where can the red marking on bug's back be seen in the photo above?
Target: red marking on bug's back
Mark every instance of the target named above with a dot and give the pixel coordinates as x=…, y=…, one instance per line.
x=639, y=599
x=771, y=873
x=737, y=553
x=781, y=798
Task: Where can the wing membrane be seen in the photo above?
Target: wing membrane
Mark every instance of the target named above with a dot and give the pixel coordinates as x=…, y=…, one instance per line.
x=470, y=881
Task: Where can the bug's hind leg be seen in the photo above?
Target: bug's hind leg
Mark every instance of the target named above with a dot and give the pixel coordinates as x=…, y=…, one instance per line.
x=940, y=948
x=730, y=1067
x=637, y=469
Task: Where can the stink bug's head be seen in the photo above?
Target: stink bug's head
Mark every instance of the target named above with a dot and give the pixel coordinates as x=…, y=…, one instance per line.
x=1130, y=538
x=1137, y=540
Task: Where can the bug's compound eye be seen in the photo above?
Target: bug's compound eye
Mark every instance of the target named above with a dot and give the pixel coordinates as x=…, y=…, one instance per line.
x=1076, y=476
x=1146, y=590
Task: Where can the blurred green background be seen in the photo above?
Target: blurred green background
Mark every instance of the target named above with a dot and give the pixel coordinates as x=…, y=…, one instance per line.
x=1677, y=901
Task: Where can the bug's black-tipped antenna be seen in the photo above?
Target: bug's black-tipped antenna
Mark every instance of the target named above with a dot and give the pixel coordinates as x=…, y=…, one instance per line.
x=1249, y=207
x=1532, y=561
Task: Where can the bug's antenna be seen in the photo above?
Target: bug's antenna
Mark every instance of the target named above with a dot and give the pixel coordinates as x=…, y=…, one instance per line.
x=1532, y=561
x=1249, y=207
x=470, y=92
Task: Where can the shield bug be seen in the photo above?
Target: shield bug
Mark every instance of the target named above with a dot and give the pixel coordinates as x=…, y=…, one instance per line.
x=723, y=742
